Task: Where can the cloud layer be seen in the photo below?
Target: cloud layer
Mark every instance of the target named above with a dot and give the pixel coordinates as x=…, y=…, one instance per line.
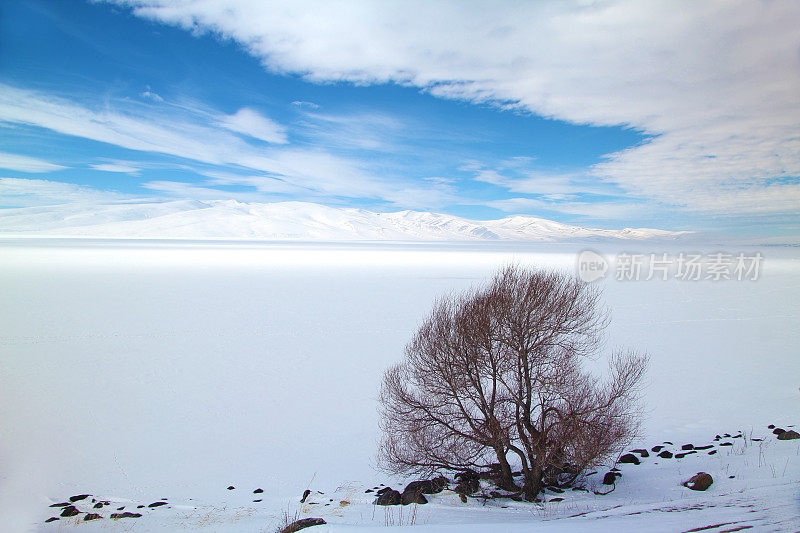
x=715, y=84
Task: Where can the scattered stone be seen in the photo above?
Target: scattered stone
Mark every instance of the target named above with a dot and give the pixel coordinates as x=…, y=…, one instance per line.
x=156, y=504
x=368, y=491
x=256, y=501
x=305, y=495
x=126, y=514
x=756, y=440
x=51, y=519
x=258, y=491
x=629, y=458
x=98, y=506
x=668, y=442
x=700, y=481
x=120, y=508
x=91, y=516
x=556, y=500
x=726, y=444
x=140, y=506
x=656, y=449
x=381, y=491
x=789, y=435
x=712, y=452
x=468, y=482
x=231, y=487
x=665, y=455
x=703, y=447
x=70, y=511
x=771, y=426
x=726, y=435
x=74, y=499
x=684, y=454
x=640, y=451
x=687, y=447
x=302, y=524
x=731, y=477
x=557, y=490
x=62, y=504
x=463, y=498
x=390, y=497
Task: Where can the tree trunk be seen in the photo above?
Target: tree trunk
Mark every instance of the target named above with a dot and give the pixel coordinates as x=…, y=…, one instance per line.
x=533, y=484
x=506, y=480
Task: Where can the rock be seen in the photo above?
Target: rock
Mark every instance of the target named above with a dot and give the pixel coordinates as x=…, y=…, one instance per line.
x=140, y=506
x=609, y=479
x=231, y=487
x=629, y=458
x=70, y=510
x=684, y=454
x=700, y=481
x=381, y=491
x=726, y=444
x=557, y=490
x=556, y=500
x=687, y=447
x=79, y=497
x=120, y=508
x=656, y=449
x=463, y=498
x=771, y=426
x=468, y=482
x=407, y=498
x=156, y=504
x=390, y=497
x=98, y=506
x=51, y=519
x=302, y=524
x=705, y=447
x=126, y=514
x=256, y=501
x=789, y=435
x=368, y=491
x=305, y=495
x=92, y=516
x=640, y=451
x=665, y=455
x=712, y=452
x=668, y=442
x=62, y=504
x=427, y=486
x=258, y=491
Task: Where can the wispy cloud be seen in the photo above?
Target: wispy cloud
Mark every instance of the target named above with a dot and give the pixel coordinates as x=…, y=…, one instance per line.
x=23, y=163
x=714, y=83
x=252, y=123
x=15, y=192
x=116, y=167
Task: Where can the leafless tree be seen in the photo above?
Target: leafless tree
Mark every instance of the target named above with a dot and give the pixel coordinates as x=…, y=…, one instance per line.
x=496, y=376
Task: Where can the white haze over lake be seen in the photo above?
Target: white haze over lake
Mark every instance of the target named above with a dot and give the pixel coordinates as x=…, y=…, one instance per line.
x=152, y=369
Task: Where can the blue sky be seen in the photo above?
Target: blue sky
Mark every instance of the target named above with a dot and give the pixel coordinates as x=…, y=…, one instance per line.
x=600, y=115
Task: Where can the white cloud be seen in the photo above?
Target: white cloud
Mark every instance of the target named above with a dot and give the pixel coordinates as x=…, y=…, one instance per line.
x=23, y=163
x=250, y=122
x=594, y=210
x=116, y=167
x=15, y=192
x=715, y=82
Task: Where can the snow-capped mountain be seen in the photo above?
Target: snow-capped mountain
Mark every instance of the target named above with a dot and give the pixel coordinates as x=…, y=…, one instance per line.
x=228, y=219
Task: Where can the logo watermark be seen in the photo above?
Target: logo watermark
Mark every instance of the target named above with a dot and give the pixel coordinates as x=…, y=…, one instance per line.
x=593, y=266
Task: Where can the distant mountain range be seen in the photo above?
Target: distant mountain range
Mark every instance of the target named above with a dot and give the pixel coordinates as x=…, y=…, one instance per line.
x=228, y=219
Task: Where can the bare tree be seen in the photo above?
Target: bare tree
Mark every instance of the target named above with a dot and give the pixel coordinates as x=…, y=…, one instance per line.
x=496, y=376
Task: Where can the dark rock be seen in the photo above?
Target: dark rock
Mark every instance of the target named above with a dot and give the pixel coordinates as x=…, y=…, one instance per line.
x=556, y=500
x=668, y=442
x=62, y=504
x=687, y=447
x=258, y=491
x=156, y=504
x=126, y=514
x=703, y=447
x=756, y=440
x=700, y=481
x=463, y=498
x=51, y=519
x=305, y=495
x=656, y=449
x=731, y=477
x=427, y=486
x=684, y=454
x=79, y=497
x=231, y=487
x=92, y=516
x=717, y=438
x=629, y=458
x=98, y=506
x=642, y=452
x=407, y=498
x=256, y=501
x=712, y=452
x=468, y=482
x=70, y=511
x=726, y=435
x=771, y=426
x=120, y=508
x=390, y=497
x=726, y=444
x=609, y=479
x=665, y=455
x=381, y=491
x=368, y=491
x=140, y=506
x=557, y=490
x=302, y=524
x=789, y=435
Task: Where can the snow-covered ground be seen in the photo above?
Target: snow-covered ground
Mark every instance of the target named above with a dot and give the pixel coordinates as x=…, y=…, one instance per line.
x=137, y=371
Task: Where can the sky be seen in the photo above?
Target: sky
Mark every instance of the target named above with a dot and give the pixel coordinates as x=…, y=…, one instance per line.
x=674, y=115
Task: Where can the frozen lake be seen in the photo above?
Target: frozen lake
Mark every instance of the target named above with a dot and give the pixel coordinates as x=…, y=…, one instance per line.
x=152, y=369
